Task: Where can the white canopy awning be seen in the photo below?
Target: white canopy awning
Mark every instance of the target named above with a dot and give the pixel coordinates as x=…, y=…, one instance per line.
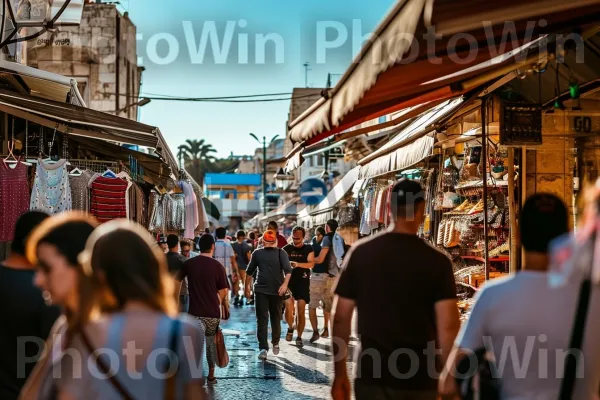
x=324, y=211
x=410, y=145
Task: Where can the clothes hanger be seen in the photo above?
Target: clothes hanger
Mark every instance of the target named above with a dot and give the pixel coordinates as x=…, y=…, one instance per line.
x=11, y=159
x=109, y=174
x=76, y=172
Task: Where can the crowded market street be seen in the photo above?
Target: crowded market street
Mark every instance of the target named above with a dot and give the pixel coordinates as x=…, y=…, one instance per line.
x=298, y=200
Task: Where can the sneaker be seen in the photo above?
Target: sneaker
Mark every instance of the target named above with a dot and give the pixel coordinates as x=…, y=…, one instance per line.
x=236, y=302
x=299, y=343
x=315, y=337
x=276, y=349
x=263, y=355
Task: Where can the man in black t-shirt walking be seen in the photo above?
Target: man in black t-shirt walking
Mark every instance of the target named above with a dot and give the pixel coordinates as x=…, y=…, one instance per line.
x=302, y=259
x=175, y=263
x=405, y=339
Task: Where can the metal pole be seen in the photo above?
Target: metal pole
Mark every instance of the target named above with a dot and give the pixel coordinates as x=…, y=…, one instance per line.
x=512, y=211
x=484, y=155
x=264, y=175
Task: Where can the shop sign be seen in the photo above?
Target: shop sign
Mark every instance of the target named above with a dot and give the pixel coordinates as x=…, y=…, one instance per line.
x=520, y=124
x=584, y=124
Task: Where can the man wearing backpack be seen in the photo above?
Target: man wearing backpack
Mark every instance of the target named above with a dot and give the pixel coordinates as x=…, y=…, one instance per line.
x=333, y=250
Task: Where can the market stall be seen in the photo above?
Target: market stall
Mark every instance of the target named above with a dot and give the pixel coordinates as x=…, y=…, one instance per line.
x=58, y=156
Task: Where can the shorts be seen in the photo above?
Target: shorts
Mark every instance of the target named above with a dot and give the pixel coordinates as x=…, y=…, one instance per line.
x=321, y=291
x=300, y=288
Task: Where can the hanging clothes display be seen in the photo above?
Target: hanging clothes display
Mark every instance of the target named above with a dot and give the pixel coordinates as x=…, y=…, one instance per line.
x=51, y=189
x=80, y=190
x=175, y=212
x=107, y=198
x=128, y=203
x=191, y=210
x=140, y=207
x=14, y=198
x=156, y=212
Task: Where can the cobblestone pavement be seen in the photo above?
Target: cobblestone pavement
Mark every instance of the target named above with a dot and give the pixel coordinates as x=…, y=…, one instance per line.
x=295, y=374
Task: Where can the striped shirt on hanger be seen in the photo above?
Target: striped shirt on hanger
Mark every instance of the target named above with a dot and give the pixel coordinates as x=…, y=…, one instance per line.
x=108, y=198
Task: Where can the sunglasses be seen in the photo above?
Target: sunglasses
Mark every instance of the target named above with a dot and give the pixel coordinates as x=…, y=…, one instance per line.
x=297, y=238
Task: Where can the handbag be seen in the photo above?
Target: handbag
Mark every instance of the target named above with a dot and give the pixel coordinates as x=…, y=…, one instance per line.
x=170, y=385
x=222, y=355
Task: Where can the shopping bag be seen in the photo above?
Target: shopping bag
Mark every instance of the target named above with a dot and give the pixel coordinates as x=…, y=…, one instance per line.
x=222, y=355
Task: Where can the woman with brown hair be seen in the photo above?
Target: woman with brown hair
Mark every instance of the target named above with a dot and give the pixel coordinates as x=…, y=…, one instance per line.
x=54, y=247
x=132, y=346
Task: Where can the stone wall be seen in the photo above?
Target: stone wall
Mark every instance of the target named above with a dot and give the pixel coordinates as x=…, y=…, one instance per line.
x=101, y=54
x=549, y=167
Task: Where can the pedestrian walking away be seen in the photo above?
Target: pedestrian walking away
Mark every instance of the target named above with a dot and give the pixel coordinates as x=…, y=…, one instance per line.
x=526, y=306
x=23, y=310
x=226, y=256
x=301, y=256
x=396, y=261
x=273, y=271
x=208, y=287
x=243, y=252
x=175, y=262
x=55, y=247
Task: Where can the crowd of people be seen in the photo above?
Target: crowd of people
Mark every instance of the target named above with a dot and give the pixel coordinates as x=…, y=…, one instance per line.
x=107, y=311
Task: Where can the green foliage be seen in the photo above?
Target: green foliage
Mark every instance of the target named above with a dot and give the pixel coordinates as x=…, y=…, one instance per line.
x=196, y=156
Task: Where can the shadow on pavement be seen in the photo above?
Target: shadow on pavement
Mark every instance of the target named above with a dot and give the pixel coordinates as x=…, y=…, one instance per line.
x=300, y=373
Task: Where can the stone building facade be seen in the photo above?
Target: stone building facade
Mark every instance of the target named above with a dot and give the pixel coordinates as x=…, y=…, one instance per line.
x=101, y=54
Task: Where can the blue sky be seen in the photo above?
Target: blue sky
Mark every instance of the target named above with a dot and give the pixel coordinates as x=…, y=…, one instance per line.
x=226, y=126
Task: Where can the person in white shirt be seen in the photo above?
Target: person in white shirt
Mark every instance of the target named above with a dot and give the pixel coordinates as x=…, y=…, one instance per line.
x=527, y=324
x=225, y=255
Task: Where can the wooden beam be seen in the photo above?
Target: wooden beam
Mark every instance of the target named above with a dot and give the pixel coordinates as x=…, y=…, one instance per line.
x=63, y=128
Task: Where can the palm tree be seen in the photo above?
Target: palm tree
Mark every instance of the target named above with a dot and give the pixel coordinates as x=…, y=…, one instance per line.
x=198, y=154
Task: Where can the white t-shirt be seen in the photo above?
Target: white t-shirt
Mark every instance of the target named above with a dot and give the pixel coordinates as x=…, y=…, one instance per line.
x=527, y=326
x=223, y=254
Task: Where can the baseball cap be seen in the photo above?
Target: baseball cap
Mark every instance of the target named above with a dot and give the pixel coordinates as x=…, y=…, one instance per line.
x=270, y=237
x=407, y=192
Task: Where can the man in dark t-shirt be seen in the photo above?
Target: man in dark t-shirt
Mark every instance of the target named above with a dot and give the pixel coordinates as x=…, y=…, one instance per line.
x=25, y=315
x=398, y=357
x=175, y=262
x=302, y=259
x=208, y=286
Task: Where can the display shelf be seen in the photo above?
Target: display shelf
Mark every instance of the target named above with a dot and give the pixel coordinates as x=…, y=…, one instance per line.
x=479, y=184
x=477, y=258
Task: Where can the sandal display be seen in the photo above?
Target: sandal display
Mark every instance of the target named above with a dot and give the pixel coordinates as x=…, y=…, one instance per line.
x=477, y=208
